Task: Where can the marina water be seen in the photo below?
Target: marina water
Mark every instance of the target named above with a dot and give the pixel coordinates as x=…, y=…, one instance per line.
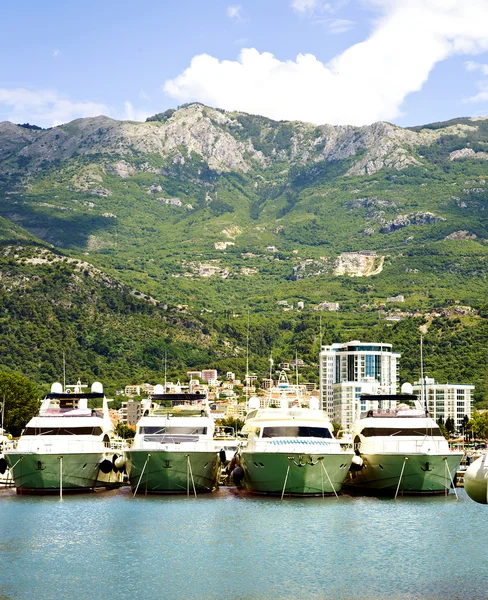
x=234, y=546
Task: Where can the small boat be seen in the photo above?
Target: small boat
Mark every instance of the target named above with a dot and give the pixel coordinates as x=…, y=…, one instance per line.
x=67, y=446
x=291, y=450
x=173, y=450
x=400, y=450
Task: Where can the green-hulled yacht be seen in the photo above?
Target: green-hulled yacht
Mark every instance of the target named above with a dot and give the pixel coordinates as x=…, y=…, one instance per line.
x=401, y=450
x=292, y=451
x=173, y=450
x=67, y=446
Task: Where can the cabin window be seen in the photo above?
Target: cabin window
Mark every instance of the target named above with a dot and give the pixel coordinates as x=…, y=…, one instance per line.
x=296, y=431
x=62, y=431
x=395, y=431
x=171, y=430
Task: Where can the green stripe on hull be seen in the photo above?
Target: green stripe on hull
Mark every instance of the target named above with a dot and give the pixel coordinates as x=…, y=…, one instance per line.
x=266, y=472
x=41, y=472
x=422, y=473
x=169, y=472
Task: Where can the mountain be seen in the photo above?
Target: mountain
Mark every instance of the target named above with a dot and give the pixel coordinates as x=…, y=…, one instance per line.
x=218, y=212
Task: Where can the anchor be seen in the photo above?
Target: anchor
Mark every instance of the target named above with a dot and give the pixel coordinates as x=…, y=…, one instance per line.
x=39, y=466
x=167, y=465
x=300, y=462
x=427, y=467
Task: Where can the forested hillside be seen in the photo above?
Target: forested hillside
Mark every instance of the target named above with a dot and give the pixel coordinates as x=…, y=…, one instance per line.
x=122, y=242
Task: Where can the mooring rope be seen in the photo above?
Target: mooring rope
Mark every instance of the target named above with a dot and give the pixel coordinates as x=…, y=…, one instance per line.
x=189, y=473
x=142, y=473
x=401, y=475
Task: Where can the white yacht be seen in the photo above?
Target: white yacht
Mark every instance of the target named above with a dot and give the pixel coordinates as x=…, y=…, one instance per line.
x=400, y=450
x=291, y=450
x=67, y=445
x=174, y=450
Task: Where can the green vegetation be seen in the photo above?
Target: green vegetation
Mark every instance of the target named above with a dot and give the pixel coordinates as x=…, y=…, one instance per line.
x=165, y=283
x=20, y=400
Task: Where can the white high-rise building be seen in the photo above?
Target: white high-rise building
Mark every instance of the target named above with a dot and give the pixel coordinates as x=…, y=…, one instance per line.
x=445, y=399
x=354, y=368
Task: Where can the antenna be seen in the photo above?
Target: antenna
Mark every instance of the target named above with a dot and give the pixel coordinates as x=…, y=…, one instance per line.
x=296, y=376
x=3, y=414
x=165, y=371
x=247, y=360
x=423, y=395
x=64, y=371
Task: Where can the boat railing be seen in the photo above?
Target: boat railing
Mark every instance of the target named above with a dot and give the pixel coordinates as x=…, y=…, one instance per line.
x=411, y=446
x=149, y=443
x=46, y=446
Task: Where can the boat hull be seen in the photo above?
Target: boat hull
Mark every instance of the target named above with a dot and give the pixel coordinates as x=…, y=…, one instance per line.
x=168, y=471
x=419, y=474
x=294, y=474
x=36, y=472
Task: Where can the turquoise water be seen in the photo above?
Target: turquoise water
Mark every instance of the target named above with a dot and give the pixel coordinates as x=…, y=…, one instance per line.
x=233, y=546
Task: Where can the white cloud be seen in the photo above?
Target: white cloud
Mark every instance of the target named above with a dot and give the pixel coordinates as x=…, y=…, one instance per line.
x=234, y=12
x=133, y=114
x=339, y=25
x=56, y=53
x=482, y=95
x=45, y=107
x=303, y=6
x=366, y=83
x=310, y=7
x=474, y=66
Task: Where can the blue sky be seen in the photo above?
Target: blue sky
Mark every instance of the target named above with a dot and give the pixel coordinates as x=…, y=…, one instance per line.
x=353, y=62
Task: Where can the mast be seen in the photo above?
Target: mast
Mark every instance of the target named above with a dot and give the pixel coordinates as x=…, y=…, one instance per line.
x=165, y=371
x=270, y=377
x=64, y=371
x=296, y=377
x=247, y=361
x=423, y=395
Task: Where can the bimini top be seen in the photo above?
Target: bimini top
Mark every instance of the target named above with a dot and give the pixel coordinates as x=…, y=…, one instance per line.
x=179, y=397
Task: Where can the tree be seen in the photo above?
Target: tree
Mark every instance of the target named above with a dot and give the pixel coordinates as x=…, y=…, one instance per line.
x=124, y=431
x=21, y=399
x=478, y=425
x=236, y=424
x=450, y=426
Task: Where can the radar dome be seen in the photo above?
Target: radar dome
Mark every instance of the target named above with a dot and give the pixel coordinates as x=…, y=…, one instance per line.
x=254, y=402
x=56, y=388
x=158, y=389
x=97, y=387
x=407, y=388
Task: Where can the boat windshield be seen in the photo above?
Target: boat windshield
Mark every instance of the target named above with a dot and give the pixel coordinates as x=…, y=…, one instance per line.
x=296, y=431
x=62, y=431
x=172, y=430
x=395, y=431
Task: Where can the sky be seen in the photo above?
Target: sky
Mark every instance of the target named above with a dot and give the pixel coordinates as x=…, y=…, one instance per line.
x=355, y=62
